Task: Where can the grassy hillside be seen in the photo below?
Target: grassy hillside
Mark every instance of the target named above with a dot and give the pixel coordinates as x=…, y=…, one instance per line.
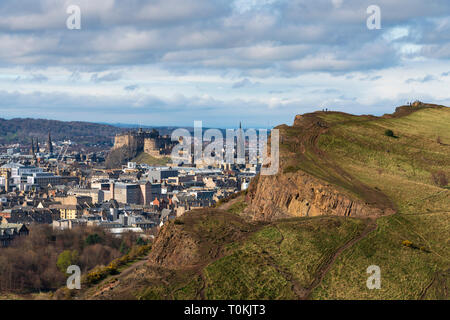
x=230, y=258
x=145, y=158
x=221, y=254
x=401, y=167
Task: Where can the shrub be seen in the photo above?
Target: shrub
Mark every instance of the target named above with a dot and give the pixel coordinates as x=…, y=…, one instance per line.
x=411, y=245
x=66, y=259
x=93, y=239
x=290, y=169
x=141, y=242
x=407, y=243
x=439, y=178
x=100, y=273
x=124, y=249
x=389, y=133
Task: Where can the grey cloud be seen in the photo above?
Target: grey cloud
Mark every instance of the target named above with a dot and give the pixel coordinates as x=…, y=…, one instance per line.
x=131, y=87
x=244, y=83
x=109, y=77
x=284, y=37
x=38, y=78
x=424, y=79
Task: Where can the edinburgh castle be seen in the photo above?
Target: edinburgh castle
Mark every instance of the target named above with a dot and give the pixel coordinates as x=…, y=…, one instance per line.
x=150, y=142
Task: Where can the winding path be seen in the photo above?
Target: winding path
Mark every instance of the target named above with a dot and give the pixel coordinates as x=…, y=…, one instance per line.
x=323, y=270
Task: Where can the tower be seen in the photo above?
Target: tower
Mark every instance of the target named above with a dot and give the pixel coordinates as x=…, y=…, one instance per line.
x=32, y=146
x=240, y=150
x=37, y=146
x=49, y=144
x=7, y=176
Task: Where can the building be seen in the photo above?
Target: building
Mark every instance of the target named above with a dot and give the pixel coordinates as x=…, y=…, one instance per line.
x=150, y=142
x=69, y=212
x=68, y=224
x=159, y=175
x=43, y=179
x=129, y=193
x=9, y=231
x=97, y=195
x=149, y=191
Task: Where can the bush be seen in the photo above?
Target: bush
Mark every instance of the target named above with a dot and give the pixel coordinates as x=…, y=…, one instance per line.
x=66, y=259
x=93, y=239
x=100, y=273
x=141, y=242
x=439, y=178
x=290, y=169
x=124, y=249
x=389, y=133
x=411, y=245
x=407, y=243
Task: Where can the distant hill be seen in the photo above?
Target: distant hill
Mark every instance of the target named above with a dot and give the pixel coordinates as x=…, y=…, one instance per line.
x=19, y=130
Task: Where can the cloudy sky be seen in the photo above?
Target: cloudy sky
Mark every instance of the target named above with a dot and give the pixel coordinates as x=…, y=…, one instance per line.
x=170, y=62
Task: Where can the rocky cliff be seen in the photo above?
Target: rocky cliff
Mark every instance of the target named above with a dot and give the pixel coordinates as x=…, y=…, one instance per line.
x=301, y=195
x=308, y=183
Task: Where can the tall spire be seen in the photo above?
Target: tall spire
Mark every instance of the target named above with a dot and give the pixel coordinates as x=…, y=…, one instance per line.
x=37, y=145
x=32, y=146
x=240, y=150
x=49, y=144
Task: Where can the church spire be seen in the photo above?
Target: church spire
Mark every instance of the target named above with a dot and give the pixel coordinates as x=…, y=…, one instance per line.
x=32, y=146
x=37, y=145
x=49, y=144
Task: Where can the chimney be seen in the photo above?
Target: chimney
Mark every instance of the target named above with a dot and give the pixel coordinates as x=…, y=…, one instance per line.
x=7, y=176
x=112, y=190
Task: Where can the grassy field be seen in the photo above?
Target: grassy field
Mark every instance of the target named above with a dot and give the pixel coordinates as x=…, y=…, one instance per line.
x=279, y=261
x=405, y=271
x=402, y=169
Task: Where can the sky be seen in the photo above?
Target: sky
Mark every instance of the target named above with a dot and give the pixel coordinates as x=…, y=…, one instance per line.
x=171, y=62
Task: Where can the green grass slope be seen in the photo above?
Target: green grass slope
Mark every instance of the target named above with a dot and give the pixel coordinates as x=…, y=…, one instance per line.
x=145, y=158
x=214, y=254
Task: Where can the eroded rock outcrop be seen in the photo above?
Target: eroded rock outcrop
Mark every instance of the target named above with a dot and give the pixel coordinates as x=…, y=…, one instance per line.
x=299, y=194
x=196, y=238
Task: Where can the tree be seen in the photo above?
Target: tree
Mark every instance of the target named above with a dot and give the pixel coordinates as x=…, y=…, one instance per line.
x=66, y=259
x=124, y=248
x=93, y=239
x=140, y=241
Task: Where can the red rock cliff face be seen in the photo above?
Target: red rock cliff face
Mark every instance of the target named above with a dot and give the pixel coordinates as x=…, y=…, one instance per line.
x=297, y=193
x=301, y=195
